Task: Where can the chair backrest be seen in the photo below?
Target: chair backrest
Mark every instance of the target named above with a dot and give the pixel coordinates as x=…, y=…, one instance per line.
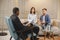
x=11, y=28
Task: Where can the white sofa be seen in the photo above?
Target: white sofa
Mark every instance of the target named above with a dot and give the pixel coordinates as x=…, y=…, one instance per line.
x=40, y=32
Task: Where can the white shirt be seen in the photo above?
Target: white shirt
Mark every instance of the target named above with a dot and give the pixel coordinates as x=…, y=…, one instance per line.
x=32, y=18
x=43, y=19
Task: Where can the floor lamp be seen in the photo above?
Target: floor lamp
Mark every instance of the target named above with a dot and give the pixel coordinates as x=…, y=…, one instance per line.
x=2, y=33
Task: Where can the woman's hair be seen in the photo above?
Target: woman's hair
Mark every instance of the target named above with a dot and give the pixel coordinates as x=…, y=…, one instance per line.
x=31, y=10
x=54, y=23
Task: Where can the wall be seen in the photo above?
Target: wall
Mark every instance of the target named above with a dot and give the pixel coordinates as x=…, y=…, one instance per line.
x=59, y=9
x=6, y=7
x=51, y=5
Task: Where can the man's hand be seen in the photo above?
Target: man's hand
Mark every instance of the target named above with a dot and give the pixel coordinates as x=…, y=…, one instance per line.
x=43, y=22
x=38, y=22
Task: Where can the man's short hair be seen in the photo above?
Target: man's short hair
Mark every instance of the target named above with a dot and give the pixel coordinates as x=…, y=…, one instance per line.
x=44, y=9
x=15, y=9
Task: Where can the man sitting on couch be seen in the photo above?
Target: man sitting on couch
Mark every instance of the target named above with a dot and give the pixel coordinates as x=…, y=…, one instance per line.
x=45, y=19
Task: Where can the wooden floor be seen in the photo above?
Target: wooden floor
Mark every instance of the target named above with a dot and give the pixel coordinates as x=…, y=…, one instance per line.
x=7, y=37
x=42, y=38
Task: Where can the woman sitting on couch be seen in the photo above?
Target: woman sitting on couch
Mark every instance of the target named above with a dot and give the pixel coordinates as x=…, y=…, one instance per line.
x=32, y=17
x=32, y=20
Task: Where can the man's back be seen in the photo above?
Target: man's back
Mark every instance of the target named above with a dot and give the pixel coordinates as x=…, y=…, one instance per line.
x=16, y=22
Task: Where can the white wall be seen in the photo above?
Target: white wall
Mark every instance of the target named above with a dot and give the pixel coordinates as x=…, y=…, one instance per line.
x=59, y=9
x=6, y=7
x=51, y=5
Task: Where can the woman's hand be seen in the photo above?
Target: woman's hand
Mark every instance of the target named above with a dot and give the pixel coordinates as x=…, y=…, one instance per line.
x=38, y=22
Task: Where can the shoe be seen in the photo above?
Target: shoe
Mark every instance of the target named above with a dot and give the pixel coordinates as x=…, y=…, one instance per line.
x=31, y=38
x=35, y=38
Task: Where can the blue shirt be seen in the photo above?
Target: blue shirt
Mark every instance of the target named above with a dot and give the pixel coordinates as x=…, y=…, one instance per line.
x=47, y=19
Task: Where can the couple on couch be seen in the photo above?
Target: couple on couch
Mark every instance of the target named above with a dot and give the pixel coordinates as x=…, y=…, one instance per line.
x=32, y=20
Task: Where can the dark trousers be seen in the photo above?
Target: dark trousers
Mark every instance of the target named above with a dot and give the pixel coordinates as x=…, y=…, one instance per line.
x=36, y=30
x=24, y=32
x=28, y=30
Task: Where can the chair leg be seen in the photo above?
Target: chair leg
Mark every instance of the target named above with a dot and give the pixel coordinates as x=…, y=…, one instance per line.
x=53, y=36
x=44, y=35
x=10, y=37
